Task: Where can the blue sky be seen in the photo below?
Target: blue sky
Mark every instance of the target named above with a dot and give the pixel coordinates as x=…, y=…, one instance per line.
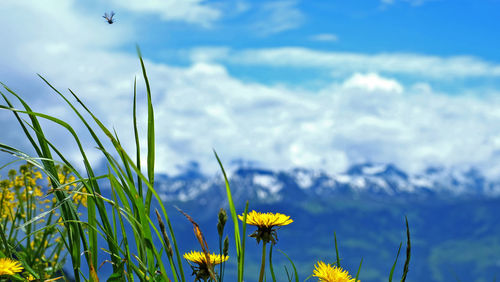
x=316, y=84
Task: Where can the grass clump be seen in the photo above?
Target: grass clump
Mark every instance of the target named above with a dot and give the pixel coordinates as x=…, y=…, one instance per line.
x=72, y=216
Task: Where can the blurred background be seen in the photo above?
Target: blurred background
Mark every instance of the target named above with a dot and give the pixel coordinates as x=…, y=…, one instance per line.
x=346, y=115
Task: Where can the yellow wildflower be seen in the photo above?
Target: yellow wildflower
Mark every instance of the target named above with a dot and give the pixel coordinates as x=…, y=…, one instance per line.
x=201, y=271
x=331, y=273
x=9, y=266
x=200, y=258
x=266, y=223
x=267, y=220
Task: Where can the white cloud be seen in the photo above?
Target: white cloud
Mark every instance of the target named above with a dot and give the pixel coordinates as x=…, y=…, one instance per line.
x=372, y=82
x=278, y=16
x=191, y=11
x=369, y=116
x=326, y=37
x=345, y=62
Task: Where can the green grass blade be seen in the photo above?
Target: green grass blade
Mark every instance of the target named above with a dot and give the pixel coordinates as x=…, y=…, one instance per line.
x=151, y=133
x=136, y=136
x=271, y=263
x=155, y=194
x=288, y=274
x=293, y=265
x=359, y=270
x=26, y=132
x=68, y=211
x=336, y=249
x=234, y=217
x=124, y=235
x=395, y=262
x=241, y=264
x=93, y=185
x=408, y=252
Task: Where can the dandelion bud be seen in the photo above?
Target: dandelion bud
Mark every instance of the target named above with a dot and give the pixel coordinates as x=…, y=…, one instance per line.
x=222, y=221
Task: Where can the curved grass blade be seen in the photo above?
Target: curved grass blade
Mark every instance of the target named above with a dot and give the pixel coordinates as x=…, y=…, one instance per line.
x=395, y=262
x=408, y=252
x=68, y=211
x=151, y=134
x=136, y=136
x=293, y=265
x=232, y=209
x=271, y=263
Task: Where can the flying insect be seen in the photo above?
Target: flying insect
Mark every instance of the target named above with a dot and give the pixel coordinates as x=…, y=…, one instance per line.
x=109, y=18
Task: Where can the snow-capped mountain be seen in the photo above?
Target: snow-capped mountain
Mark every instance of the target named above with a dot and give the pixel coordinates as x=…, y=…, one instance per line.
x=450, y=211
x=366, y=179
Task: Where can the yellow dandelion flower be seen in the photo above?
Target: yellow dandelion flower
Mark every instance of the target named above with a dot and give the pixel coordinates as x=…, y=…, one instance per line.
x=201, y=259
x=267, y=220
x=201, y=270
x=9, y=266
x=331, y=273
x=266, y=223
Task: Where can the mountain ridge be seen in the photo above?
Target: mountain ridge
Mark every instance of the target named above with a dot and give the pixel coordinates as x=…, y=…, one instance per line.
x=360, y=180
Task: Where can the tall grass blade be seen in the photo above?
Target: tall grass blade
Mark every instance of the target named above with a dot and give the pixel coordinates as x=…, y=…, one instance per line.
x=293, y=265
x=288, y=274
x=359, y=270
x=395, y=262
x=94, y=187
x=241, y=263
x=234, y=217
x=151, y=134
x=408, y=252
x=26, y=132
x=68, y=210
x=136, y=136
x=336, y=249
x=271, y=263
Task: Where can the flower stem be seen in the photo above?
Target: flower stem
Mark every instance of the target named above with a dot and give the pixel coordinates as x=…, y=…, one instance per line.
x=263, y=263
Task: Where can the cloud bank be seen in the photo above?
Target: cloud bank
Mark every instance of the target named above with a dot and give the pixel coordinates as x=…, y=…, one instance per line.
x=367, y=116
x=427, y=66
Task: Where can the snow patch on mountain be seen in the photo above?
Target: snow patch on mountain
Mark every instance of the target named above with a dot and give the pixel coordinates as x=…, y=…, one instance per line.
x=362, y=179
x=269, y=182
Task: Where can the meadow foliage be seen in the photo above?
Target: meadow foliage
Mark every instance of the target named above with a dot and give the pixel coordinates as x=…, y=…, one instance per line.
x=53, y=213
